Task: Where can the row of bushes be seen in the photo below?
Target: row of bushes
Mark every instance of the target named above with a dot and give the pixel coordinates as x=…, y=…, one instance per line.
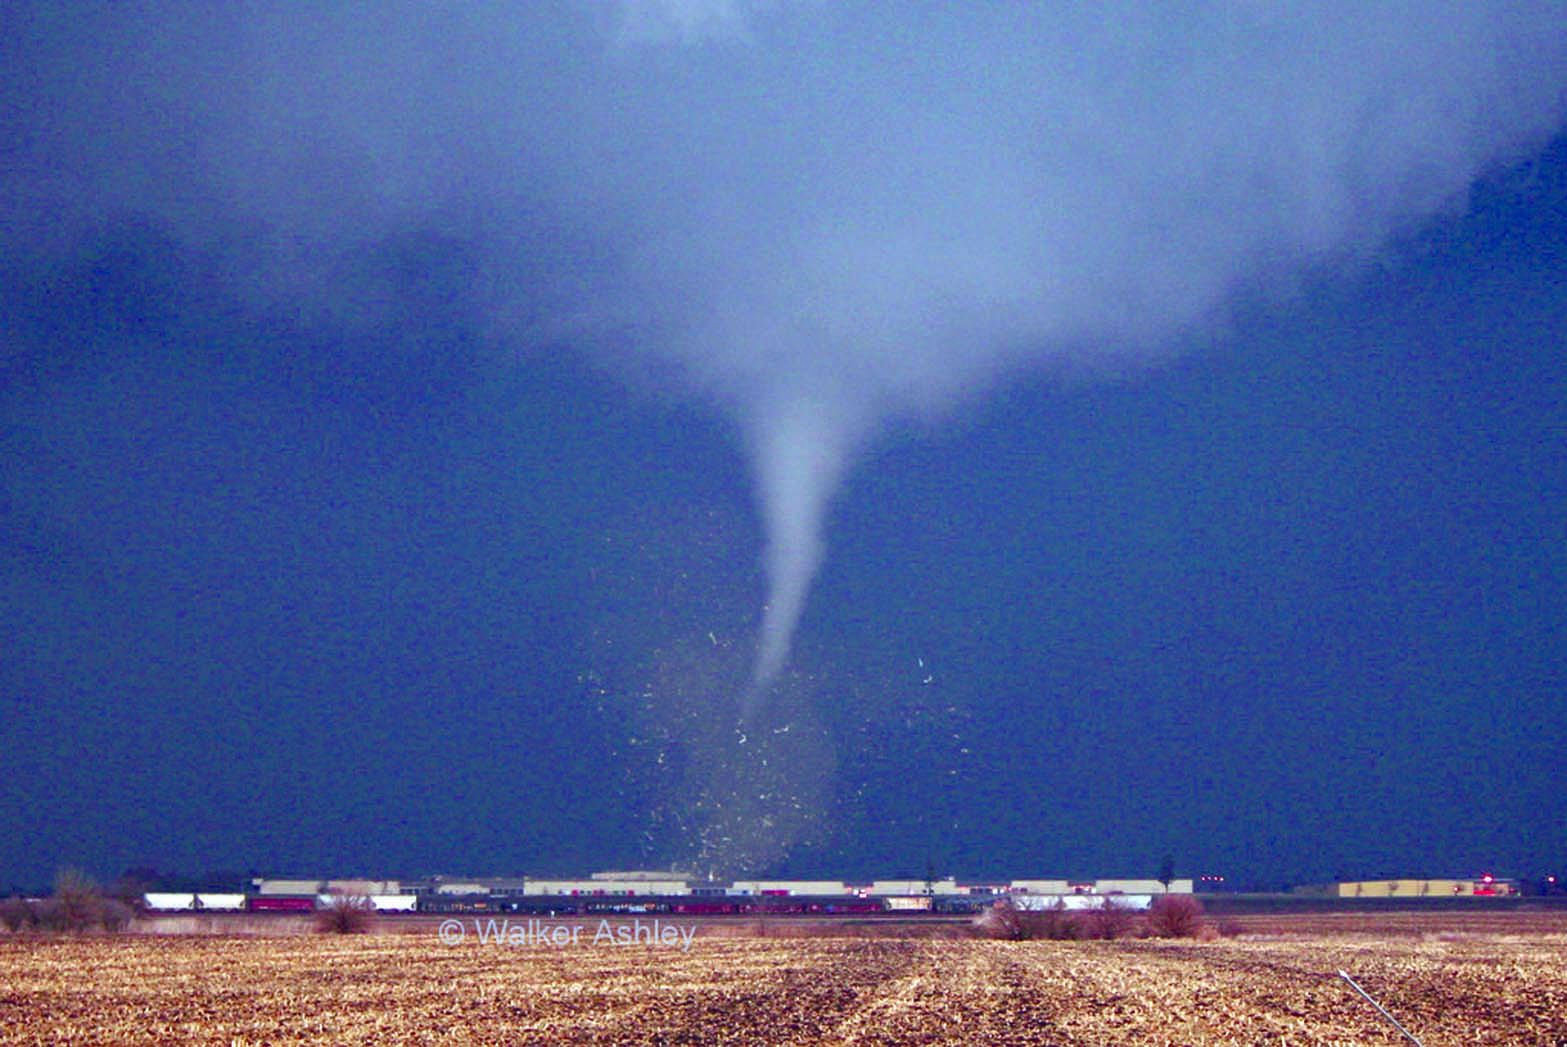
x=77, y=905
x=1172, y=916
x=53, y=915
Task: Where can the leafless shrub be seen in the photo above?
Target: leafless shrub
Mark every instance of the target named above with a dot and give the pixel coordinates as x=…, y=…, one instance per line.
x=16, y=913
x=1175, y=916
x=115, y=915
x=345, y=914
x=49, y=915
x=1106, y=921
x=79, y=900
x=1005, y=921
x=1058, y=923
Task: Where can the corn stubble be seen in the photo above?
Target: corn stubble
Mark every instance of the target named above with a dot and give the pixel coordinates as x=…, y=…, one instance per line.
x=409, y=989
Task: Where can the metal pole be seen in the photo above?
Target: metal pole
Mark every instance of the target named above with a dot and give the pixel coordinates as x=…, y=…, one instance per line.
x=1356, y=986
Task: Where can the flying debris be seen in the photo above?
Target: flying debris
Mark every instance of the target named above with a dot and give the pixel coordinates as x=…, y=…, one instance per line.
x=728, y=795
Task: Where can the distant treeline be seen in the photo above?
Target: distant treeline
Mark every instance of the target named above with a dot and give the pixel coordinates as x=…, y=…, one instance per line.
x=76, y=904
x=137, y=881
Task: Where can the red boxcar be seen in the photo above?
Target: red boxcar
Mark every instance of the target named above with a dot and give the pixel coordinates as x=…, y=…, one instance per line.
x=267, y=903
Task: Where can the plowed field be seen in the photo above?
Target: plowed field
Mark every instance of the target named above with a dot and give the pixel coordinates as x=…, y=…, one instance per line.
x=389, y=989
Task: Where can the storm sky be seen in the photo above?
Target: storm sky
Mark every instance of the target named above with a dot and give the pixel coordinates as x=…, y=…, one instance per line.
x=783, y=437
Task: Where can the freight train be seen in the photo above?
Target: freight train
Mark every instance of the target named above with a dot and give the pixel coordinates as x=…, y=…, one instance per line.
x=651, y=893
x=175, y=901
x=558, y=905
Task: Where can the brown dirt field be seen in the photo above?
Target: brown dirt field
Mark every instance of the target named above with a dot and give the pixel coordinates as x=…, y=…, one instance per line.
x=406, y=988
x=1386, y=924
x=1480, y=921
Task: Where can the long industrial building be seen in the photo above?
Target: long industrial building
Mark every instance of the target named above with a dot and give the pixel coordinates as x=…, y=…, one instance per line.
x=1473, y=887
x=634, y=884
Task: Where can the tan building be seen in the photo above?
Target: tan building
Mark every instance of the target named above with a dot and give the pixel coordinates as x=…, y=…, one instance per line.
x=596, y=886
x=1041, y=887
x=1485, y=887
x=913, y=887
x=1141, y=887
x=461, y=887
x=276, y=886
x=364, y=887
x=1101, y=887
x=806, y=887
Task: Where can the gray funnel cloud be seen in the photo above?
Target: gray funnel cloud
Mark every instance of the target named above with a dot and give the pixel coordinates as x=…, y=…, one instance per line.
x=800, y=456
x=886, y=209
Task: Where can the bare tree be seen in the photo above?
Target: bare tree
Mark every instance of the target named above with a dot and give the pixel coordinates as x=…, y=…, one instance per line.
x=1056, y=923
x=345, y=913
x=115, y=915
x=1108, y=920
x=1175, y=916
x=15, y=914
x=1167, y=872
x=1003, y=920
x=78, y=898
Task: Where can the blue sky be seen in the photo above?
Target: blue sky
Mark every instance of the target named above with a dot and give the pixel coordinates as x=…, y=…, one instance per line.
x=1142, y=451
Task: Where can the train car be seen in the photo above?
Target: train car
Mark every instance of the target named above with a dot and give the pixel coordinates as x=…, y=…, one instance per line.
x=626, y=906
x=848, y=906
x=711, y=906
x=446, y=902
x=539, y=905
x=281, y=903
x=385, y=903
x=1075, y=902
x=168, y=901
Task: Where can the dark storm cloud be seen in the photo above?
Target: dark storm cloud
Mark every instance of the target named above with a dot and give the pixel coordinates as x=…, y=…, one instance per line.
x=821, y=215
